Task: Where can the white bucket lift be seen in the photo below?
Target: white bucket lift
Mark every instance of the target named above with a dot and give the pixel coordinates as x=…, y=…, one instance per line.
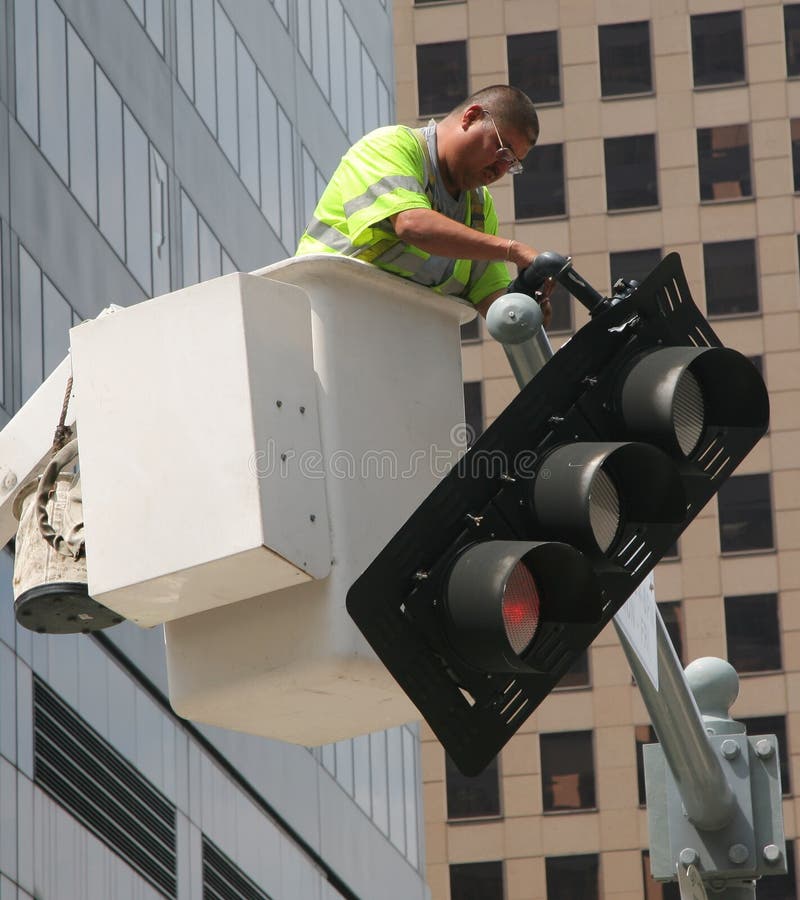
x=247, y=446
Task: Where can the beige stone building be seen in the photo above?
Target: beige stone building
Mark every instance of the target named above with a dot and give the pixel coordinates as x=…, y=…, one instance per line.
x=666, y=125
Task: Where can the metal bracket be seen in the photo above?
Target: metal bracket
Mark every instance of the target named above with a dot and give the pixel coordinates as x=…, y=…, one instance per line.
x=750, y=846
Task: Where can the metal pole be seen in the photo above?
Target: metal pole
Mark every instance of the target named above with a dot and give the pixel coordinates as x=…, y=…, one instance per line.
x=704, y=789
x=516, y=321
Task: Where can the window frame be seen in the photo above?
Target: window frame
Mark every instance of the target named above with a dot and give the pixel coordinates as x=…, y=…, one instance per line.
x=546, y=778
x=652, y=738
x=748, y=551
x=499, y=863
x=716, y=85
x=560, y=686
x=708, y=163
x=470, y=425
x=452, y=776
x=470, y=339
x=519, y=181
x=730, y=602
x=606, y=28
x=615, y=255
x=519, y=82
x=617, y=141
x=463, y=59
x=795, y=7
x=680, y=624
x=569, y=862
x=734, y=314
x=795, y=147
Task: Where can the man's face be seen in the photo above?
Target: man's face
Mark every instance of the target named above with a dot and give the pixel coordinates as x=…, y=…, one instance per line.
x=483, y=155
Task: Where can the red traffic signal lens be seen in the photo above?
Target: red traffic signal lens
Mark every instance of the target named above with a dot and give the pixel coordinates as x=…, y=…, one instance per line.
x=507, y=603
x=521, y=608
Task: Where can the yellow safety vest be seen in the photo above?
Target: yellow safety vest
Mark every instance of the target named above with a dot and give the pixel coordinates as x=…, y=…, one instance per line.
x=353, y=215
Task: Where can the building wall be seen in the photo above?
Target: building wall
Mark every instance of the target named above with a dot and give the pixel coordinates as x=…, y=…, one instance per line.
x=146, y=145
x=702, y=574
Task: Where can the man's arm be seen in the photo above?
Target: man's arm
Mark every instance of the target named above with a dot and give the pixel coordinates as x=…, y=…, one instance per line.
x=439, y=235
x=436, y=234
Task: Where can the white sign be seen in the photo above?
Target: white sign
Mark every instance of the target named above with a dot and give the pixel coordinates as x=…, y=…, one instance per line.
x=636, y=619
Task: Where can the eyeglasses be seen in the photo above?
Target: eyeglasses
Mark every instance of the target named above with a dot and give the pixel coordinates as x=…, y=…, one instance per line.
x=505, y=154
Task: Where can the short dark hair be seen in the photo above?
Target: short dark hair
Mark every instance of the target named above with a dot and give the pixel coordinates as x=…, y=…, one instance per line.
x=509, y=106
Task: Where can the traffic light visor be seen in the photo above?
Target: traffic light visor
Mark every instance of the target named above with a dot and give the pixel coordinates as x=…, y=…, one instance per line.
x=590, y=494
x=670, y=396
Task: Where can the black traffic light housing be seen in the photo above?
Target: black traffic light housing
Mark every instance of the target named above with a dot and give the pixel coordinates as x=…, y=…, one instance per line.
x=527, y=548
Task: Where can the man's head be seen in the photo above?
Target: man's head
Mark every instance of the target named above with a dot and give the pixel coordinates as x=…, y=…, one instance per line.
x=480, y=140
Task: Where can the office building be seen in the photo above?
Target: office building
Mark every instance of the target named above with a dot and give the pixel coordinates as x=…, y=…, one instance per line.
x=664, y=127
x=146, y=145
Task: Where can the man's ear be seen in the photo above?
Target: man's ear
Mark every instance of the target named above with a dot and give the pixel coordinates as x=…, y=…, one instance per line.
x=471, y=115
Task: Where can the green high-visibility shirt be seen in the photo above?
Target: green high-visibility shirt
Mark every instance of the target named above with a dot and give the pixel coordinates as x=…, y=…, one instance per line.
x=384, y=173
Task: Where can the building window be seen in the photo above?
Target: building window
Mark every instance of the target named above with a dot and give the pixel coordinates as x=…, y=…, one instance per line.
x=473, y=409
x=477, y=881
x=753, y=632
x=471, y=331
x=569, y=877
x=794, y=125
x=672, y=552
x=776, y=725
x=577, y=675
x=472, y=797
x=567, y=771
x=631, y=171
x=539, y=189
x=791, y=31
x=441, y=76
x=657, y=890
x=533, y=65
x=633, y=265
x=644, y=734
x=717, y=49
x=730, y=275
x=672, y=616
x=745, y=514
x=561, y=304
x=625, y=59
x=723, y=156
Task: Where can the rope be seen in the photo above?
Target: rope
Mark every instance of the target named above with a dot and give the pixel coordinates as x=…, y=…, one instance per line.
x=63, y=432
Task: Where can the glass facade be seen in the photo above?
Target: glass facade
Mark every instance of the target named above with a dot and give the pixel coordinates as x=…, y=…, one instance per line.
x=162, y=145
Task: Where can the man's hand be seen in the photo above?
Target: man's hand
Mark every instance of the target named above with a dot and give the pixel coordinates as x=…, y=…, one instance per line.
x=545, y=304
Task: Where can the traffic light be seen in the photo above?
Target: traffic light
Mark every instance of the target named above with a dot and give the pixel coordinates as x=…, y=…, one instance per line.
x=528, y=547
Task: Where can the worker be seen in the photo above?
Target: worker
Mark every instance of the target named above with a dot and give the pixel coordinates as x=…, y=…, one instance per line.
x=414, y=201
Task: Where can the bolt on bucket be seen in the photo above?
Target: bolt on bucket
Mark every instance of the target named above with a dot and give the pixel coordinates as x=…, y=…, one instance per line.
x=50, y=581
